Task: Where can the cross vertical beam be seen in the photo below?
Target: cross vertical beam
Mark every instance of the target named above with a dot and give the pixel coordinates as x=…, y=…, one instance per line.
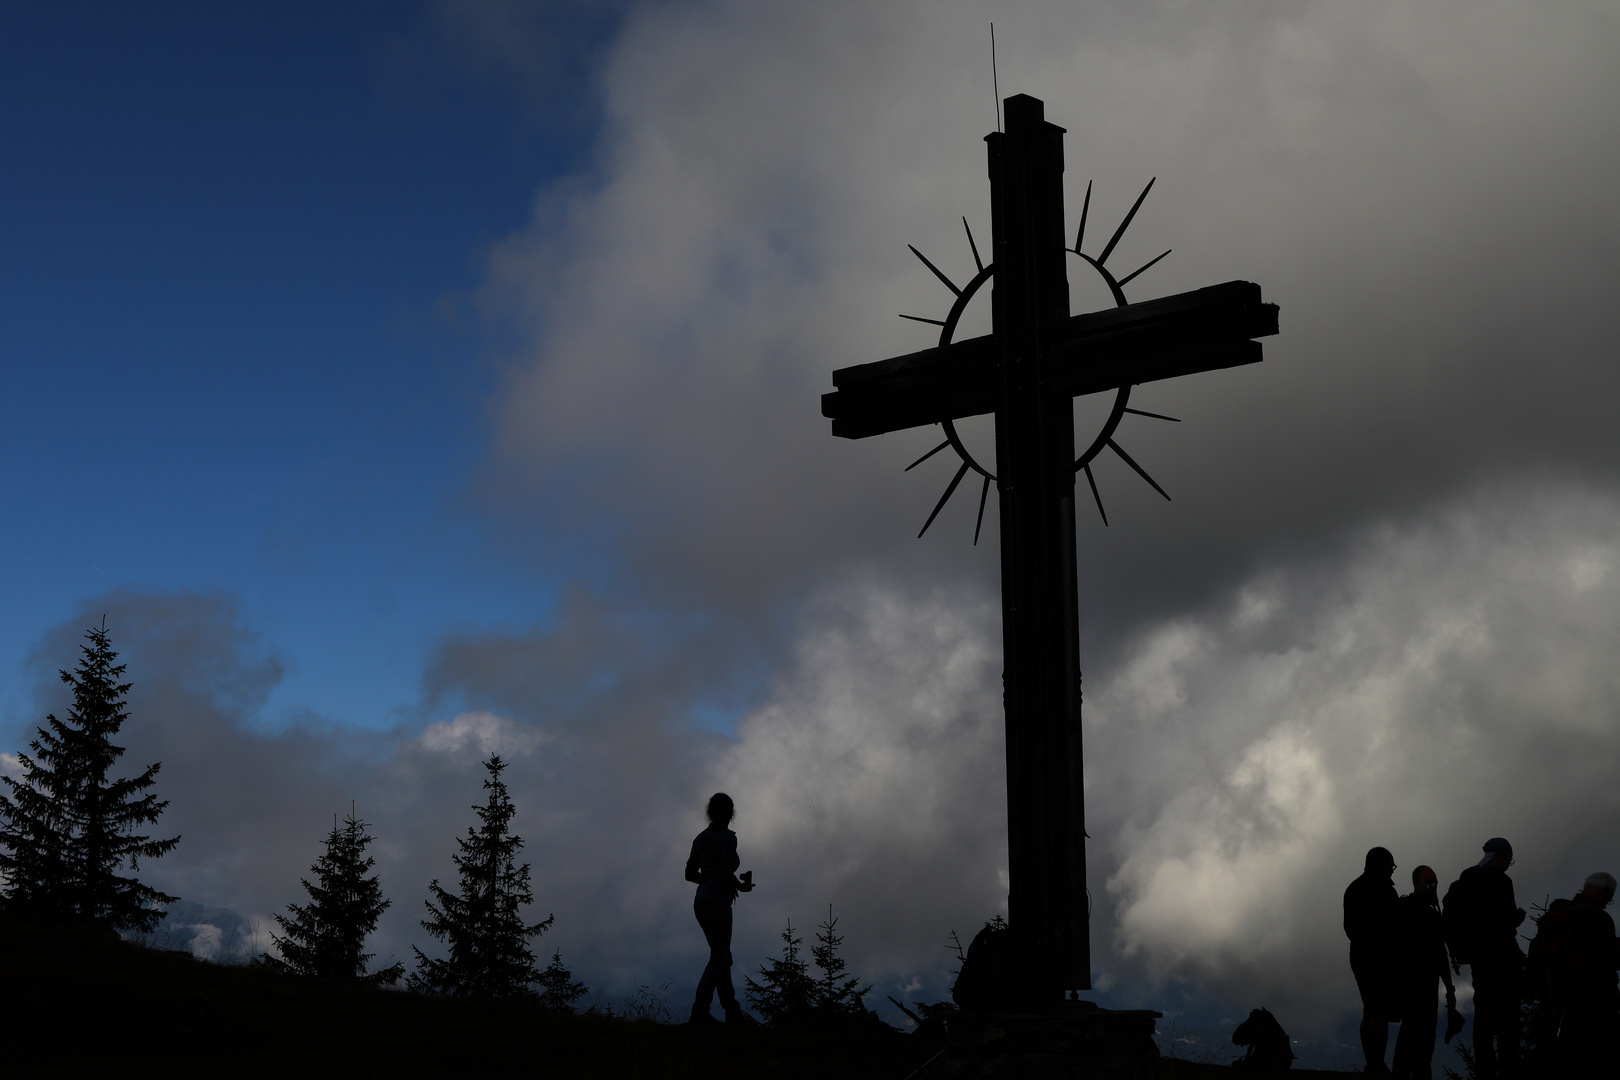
x=1047, y=901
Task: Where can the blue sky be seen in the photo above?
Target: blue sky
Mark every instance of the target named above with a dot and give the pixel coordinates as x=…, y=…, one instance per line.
x=240, y=353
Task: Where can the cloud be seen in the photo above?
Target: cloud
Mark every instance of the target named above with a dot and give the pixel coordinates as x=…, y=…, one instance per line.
x=1435, y=681
x=1440, y=682
x=219, y=935
x=873, y=777
x=244, y=800
x=482, y=733
x=854, y=794
x=1412, y=194
x=867, y=775
x=1315, y=630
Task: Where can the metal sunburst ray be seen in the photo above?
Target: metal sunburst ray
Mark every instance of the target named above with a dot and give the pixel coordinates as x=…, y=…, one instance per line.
x=1116, y=448
x=1156, y=416
x=926, y=456
x=945, y=498
x=983, y=494
x=949, y=284
x=1119, y=232
x=1134, y=274
x=1085, y=208
x=976, y=260
x=1092, y=480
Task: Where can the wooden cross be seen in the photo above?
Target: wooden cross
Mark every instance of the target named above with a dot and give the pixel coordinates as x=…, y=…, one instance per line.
x=1026, y=372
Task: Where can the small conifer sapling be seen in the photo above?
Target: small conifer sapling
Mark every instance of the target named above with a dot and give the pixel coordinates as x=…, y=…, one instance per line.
x=835, y=992
x=558, y=990
x=785, y=992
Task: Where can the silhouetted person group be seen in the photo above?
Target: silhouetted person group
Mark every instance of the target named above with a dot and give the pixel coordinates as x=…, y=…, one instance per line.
x=1403, y=947
x=712, y=867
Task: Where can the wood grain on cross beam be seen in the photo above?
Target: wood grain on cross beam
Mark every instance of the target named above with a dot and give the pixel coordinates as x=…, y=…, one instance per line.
x=1202, y=330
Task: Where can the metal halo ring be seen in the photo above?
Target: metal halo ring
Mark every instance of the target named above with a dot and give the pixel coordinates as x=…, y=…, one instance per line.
x=1121, y=398
x=945, y=334
x=1124, y=393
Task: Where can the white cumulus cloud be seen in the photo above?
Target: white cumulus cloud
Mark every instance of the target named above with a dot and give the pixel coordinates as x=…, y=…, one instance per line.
x=1439, y=682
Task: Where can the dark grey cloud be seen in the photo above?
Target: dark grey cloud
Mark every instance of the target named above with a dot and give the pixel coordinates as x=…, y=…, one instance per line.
x=1426, y=205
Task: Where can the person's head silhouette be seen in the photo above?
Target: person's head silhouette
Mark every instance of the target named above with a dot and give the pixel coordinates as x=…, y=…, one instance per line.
x=1426, y=883
x=721, y=809
x=1498, y=854
x=1600, y=887
x=1380, y=861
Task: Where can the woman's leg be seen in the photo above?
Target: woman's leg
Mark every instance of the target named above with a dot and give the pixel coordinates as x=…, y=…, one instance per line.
x=714, y=916
x=705, y=986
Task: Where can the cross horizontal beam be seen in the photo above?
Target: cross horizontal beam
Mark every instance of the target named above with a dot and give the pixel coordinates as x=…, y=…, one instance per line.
x=1202, y=330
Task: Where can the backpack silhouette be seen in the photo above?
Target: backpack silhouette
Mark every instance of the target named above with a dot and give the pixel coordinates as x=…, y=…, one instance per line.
x=1460, y=920
x=1269, y=1047
x=1558, y=965
x=986, y=982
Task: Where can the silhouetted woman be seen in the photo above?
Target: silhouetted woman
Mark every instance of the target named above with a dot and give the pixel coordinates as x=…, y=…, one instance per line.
x=712, y=866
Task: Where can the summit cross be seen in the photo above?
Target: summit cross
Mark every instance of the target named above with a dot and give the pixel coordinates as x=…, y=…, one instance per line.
x=1027, y=371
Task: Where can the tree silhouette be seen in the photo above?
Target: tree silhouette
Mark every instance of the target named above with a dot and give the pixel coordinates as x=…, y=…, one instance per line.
x=482, y=922
x=834, y=993
x=326, y=936
x=558, y=991
x=65, y=829
x=785, y=993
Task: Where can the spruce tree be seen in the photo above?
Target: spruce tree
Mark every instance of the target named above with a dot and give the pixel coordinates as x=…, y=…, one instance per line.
x=482, y=923
x=785, y=992
x=834, y=992
x=558, y=990
x=66, y=830
x=326, y=937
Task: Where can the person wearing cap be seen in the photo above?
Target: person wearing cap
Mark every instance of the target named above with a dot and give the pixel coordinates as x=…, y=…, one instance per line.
x=1371, y=911
x=1585, y=984
x=1421, y=961
x=1497, y=964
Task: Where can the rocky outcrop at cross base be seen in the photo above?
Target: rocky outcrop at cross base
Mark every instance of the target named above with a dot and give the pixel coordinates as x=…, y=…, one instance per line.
x=996, y=1034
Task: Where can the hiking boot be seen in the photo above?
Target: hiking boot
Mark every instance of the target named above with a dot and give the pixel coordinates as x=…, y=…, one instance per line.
x=738, y=1018
x=701, y=1018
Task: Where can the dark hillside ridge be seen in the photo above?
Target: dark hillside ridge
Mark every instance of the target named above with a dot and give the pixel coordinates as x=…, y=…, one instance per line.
x=76, y=1004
